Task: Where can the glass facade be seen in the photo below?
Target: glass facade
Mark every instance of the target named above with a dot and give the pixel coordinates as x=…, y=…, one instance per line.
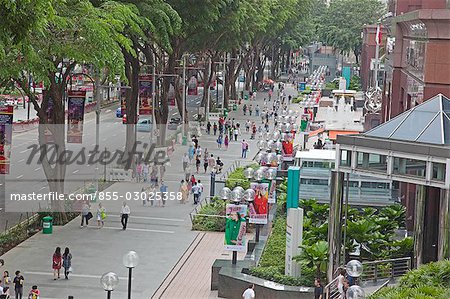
x=346, y=158
x=373, y=162
x=404, y=166
x=438, y=172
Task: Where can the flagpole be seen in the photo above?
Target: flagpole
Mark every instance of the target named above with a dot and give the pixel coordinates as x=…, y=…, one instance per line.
x=377, y=55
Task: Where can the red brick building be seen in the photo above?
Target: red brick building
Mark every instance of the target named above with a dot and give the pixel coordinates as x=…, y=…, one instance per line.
x=419, y=66
x=368, y=53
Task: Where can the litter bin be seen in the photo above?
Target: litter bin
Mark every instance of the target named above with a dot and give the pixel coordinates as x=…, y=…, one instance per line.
x=47, y=226
x=225, y=112
x=184, y=140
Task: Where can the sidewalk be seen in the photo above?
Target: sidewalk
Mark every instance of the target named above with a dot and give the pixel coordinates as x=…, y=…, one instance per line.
x=159, y=235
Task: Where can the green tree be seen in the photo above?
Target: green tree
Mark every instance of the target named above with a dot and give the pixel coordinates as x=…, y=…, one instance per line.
x=342, y=23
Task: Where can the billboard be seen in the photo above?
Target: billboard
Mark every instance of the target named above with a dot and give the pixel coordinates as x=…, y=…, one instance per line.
x=75, y=116
x=259, y=207
x=145, y=95
x=235, y=228
x=6, y=120
x=193, y=86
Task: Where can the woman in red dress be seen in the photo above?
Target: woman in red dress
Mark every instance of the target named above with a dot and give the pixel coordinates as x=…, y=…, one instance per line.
x=57, y=263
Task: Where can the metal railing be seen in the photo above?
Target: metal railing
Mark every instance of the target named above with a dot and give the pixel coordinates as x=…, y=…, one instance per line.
x=230, y=169
x=385, y=284
x=391, y=268
x=331, y=289
x=373, y=271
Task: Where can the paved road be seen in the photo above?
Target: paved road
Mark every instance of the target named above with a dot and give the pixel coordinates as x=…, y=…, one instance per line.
x=159, y=235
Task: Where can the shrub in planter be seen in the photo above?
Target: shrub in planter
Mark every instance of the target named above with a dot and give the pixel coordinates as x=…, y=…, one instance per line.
x=205, y=223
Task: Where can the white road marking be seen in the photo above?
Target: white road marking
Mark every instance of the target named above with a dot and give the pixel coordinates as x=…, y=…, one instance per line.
x=153, y=218
x=141, y=230
x=20, y=176
x=75, y=171
x=71, y=275
x=27, y=150
x=20, y=161
x=42, y=188
x=37, y=169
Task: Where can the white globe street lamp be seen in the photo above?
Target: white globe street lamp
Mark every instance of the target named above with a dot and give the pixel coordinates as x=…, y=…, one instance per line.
x=109, y=281
x=130, y=260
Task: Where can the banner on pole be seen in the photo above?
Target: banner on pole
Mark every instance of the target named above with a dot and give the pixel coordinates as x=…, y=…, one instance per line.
x=6, y=120
x=235, y=228
x=145, y=95
x=259, y=207
x=123, y=103
x=171, y=95
x=75, y=116
x=193, y=86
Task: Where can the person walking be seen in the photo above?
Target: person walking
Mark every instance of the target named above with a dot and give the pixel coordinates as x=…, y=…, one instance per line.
x=101, y=215
x=318, y=289
x=250, y=109
x=67, y=262
x=185, y=161
x=18, y=285
x=212, y=163
x=247, y=126
x=205, y=162
x=85, y=214
x=257, y=110
x=215, y=128
x=124, y=215
x=226, y=142
x=145, y=172
x=208, y=128
x=244, y=146
x=197, y=163
x=34, y=293
x=4, y=293
x=236, y=133
x=249, y=293
x=195, y=191
x=184, y=191
x=6, y=280
x=57, y=263
x=200, y=190
x=219, y=141
x=164, y=193
x=244, y=109
x=139, y=172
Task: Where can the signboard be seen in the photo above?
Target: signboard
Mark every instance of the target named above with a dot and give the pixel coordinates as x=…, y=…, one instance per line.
x=171, y=95
x=145, y=95
x=301, y=86
x=235, y=228
x=193, y=86
x=123, y=103
x=294, y=237
x=259, y=207
x=75, y=116
x=6, y=120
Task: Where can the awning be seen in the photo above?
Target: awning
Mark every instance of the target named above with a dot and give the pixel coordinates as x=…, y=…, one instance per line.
x=332, y=135
x=316, y=132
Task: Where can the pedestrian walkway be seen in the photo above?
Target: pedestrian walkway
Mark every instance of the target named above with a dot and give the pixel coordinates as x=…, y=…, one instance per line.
x=191, y=276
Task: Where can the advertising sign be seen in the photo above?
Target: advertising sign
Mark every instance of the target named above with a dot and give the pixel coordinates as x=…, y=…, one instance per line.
x=235, y=228
x=6, y=120
x=193, y=86
x=75, y=116
x=259, y=207
x=145, y=95
x=301, y=86
x=171, y=95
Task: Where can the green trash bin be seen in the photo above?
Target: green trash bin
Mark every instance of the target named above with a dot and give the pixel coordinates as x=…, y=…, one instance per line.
x=234, y=107
x=47, y=225
x=225, y=112
x=184, y=140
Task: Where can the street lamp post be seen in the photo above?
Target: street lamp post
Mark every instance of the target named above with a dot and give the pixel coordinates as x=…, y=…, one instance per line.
x=109, y=281
x=184, y=96
x=130, y=260
x=354, y=268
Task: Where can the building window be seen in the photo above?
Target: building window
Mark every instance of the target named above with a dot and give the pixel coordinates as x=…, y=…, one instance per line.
x=438, y=171
x=372, y=162
x=410, y=167
x=346, y=158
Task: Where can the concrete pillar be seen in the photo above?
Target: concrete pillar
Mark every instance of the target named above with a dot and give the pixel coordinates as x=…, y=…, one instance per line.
x=335, y=223
x=419, y=223
x=444, y=225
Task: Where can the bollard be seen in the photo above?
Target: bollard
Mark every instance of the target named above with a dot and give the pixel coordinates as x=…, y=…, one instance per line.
x=70, y=297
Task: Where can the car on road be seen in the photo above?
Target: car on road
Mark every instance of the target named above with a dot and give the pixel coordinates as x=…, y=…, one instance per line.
x=174, y=123
x=124, y=118
x=144, y=125
x=119, y=112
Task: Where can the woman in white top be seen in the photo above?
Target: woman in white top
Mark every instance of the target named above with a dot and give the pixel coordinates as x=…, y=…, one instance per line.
x=340, y=283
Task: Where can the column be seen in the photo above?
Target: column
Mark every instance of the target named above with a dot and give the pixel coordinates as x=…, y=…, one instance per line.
x=335, y=223
x=419, y=223
x=444, y=225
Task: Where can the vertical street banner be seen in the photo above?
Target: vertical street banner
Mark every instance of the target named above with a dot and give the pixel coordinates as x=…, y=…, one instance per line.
x=193, y=86
x=259, y=207
x=6, y=120
x=48, y=136
x=171, y=95
x=145, y=95
x=123, y=102
x=235, y=228
x=272, y=191
x=75, y=116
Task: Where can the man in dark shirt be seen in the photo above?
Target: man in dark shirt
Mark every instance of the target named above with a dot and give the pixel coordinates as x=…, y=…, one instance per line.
x=318, y=290
x=18, y=285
